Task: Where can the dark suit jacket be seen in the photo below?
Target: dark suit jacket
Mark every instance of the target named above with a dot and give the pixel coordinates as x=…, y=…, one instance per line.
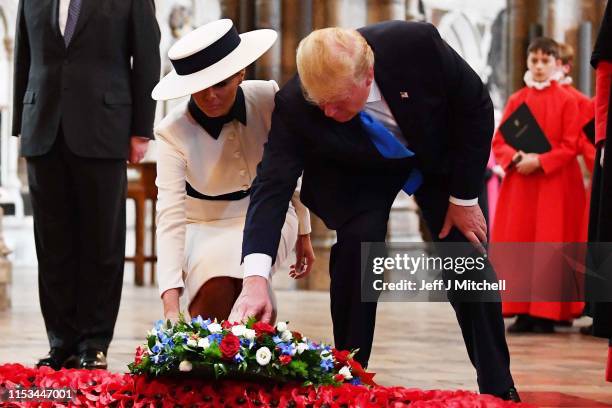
x=91, y=89
x=447, y=120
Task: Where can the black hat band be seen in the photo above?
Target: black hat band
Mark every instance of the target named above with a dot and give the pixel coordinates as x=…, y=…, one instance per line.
x=209, y=55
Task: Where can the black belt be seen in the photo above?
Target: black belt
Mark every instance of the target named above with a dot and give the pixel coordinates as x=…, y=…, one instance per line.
x=235, y=196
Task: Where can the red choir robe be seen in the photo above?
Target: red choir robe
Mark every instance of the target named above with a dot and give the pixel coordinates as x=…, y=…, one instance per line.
x=547, y=205
x=586, y=149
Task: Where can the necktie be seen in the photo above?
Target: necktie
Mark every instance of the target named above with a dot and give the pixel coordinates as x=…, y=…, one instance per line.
x=73, y=16
x=388, y=146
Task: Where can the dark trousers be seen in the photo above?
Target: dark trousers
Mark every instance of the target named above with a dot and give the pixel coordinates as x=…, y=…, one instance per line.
x=79, y=228
x=481, y=323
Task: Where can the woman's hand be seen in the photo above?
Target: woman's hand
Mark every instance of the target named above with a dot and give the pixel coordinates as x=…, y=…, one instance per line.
x=170, y=298
x=305, y=257
x=529, y=164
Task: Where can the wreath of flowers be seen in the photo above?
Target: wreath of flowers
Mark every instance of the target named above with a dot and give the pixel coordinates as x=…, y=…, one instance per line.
x=254, y=350
x=100, y=388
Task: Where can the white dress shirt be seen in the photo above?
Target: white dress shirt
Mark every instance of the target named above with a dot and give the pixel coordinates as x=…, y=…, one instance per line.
x=63, y=14
x=376, y=106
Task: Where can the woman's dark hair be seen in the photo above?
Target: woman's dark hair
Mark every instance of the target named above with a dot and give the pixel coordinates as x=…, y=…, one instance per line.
x=544, y=44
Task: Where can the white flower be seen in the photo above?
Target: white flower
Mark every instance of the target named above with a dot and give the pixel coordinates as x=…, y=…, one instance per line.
x=185, y=366
x=281, y=326
x=192, y=343
x=346, y=372
x=326, y=355
x=286, y=335
x=204, y=343
x=215, y=328
x=249, y=334
x=302, y=347
x=263, y=356
x=238, y=330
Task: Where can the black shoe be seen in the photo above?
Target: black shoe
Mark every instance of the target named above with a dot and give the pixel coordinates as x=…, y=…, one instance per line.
x=543, y=326
x=510, y=395
x=587, y=330
x=522, y=324
x=57, y=359
x=92, y=359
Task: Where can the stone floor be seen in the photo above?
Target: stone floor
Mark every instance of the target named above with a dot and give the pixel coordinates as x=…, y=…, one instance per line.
x=416, y=344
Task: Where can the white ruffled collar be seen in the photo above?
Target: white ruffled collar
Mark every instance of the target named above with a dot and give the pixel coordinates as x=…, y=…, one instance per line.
x=531, y=83
x=565, y=80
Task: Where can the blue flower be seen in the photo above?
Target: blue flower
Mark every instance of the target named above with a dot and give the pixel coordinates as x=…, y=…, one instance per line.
x=158, y=358
x=238, y=358
x=356, y=381
x=156, y=348
x=247, y=343
x=313, y=346
x=287, y=349
x=159, y=325
x=327, y=364
x=277, y=340
x=201, y=322
x=215, y=338
x=182, y=336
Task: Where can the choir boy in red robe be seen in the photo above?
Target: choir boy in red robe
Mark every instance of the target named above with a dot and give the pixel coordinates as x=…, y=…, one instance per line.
x=542, y=196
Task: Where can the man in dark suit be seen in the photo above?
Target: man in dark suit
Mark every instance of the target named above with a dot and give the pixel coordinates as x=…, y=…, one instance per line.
x=84, y=71
x=414, y=84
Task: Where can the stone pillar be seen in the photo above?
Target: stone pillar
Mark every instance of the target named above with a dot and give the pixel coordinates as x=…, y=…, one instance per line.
x=5, y=271
x=565, y=18
x=231, y=9
x=522, y=15
x=325, y=13
x=296, y=24
x=381, y=10
x=268, y=15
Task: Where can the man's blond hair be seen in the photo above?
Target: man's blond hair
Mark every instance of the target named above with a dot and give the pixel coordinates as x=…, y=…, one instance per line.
x=330, y=60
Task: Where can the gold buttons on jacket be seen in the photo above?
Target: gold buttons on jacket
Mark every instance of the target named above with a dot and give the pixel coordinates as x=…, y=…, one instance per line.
x=237, y=154
x=242, y=172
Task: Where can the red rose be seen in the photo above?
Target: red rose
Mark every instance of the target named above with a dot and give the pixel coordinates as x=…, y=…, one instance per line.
x=230, y=345
x=263, y=329
x=340, y=356
x=139, y=354
x=284, y=359
x=297, y=335
x=339, y=378
x=226, y=325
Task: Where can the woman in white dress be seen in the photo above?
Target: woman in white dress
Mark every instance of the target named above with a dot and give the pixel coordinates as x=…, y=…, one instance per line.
x=208, y=150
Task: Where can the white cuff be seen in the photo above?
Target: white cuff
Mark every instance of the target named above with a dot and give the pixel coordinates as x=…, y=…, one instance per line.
x=257, y=265
x=463, y=203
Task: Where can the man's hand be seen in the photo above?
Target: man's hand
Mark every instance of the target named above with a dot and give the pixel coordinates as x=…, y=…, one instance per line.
x=468, y=220
x=255, y=300
x=304, y=256
x=138, y=148
x=529, y=164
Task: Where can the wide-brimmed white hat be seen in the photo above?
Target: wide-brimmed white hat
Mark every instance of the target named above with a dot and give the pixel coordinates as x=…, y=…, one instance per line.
x=208, y=55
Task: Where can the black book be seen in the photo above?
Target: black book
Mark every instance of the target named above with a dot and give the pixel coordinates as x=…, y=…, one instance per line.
x=522, y=132
x=589, y=131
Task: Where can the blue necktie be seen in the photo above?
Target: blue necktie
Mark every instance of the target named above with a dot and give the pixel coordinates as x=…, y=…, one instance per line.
x=391, y=148
x=74, y=9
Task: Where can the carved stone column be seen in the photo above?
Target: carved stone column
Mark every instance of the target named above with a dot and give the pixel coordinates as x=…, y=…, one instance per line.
x=231, y=9
x=296, y=24
x=5, y=271
x=522, y=15
x=268, y=15
x=381, y=10
x=326, y=13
